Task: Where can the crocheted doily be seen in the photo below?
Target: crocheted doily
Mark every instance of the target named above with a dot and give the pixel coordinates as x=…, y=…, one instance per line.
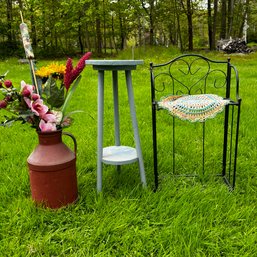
x=193, y=107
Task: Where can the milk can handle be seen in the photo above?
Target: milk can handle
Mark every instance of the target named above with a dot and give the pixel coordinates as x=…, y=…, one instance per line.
x=74, y=140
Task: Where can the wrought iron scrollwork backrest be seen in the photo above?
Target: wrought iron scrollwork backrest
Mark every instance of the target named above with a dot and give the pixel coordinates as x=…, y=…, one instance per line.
x=191, y=74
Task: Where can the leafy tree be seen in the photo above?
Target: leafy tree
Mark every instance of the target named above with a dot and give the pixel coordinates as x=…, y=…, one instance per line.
x=62, y=27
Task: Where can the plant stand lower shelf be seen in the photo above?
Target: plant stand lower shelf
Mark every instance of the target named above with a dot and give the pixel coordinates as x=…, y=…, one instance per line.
x=118, y=155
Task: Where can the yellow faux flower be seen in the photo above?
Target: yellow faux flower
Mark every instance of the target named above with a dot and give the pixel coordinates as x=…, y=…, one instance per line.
x=51, y=69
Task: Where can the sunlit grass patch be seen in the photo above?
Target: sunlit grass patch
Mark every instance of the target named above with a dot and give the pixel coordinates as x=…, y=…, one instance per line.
x=185, y=217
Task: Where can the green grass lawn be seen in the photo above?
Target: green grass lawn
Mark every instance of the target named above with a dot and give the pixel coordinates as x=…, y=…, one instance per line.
x=185, y=217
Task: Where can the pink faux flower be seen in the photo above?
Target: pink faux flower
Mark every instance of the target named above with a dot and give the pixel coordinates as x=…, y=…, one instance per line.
x=49, y=117
x=66, y=122
x=34, y=97
x=28, y=101
x=39, y=108
x=70, y=73
x=47, y=126
x=26, y=90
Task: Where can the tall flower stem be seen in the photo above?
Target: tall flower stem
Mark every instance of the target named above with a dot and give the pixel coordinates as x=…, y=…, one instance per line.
x=28, y=50
x=33, y=74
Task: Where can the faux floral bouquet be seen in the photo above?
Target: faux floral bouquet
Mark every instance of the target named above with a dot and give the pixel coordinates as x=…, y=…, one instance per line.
x=44, y=105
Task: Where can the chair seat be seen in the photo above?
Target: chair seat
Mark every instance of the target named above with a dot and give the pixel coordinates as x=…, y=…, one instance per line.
x=194, y=108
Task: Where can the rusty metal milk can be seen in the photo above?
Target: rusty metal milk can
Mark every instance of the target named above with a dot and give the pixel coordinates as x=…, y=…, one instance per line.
x=52, y=171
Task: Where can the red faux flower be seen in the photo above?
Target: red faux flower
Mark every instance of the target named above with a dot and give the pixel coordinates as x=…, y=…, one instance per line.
x=70, y=73
x=8, y=83
x=8, y=98
x=3, y=104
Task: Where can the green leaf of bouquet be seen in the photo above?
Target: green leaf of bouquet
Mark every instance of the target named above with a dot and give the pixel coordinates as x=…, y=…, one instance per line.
x=69, y=95
x=39, y=84
x=10, y=120
x=71, y=113
x=77, y=111
x=54, y=94
x=2, y=76
x=7, y=123
x=3, y=90
x=47, y=86
x=57, y=97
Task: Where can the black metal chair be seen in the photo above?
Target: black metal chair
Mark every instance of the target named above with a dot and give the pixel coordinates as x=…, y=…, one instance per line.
x=194, y=88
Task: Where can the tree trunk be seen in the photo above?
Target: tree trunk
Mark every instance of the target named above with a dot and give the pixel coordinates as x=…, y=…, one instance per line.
x=179, y=37
x=215, y=13
x=122, y=33
x=104, y=18
x=189, y=13
x=88, y=43
x=150, y=13
x=113, y=35
x=210, y=31
x=81, y=45
x=190, y=25
x=98, y=30
x=98, y=37
x=9, y=23
x=230, y=18
x=151, y=16
x=223, y=19
x=212, y=23
x=139, y=31
x=244, y=25
x=43, y=24
x=33, y=27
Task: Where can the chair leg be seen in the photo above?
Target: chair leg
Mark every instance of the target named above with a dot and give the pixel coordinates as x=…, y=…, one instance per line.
x=230, y=178
x=236, y=143
x=155, y=158
x=203, y=155
x=173, y=145
x=225, y=142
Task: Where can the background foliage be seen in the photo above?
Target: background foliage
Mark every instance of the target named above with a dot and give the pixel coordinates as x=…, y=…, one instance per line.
x=62, y=27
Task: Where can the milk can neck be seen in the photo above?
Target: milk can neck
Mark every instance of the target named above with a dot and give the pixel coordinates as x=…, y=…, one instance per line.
x=50, y=138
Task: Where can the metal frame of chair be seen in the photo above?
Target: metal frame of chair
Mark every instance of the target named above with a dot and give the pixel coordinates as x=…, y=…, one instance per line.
x=192, y=74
